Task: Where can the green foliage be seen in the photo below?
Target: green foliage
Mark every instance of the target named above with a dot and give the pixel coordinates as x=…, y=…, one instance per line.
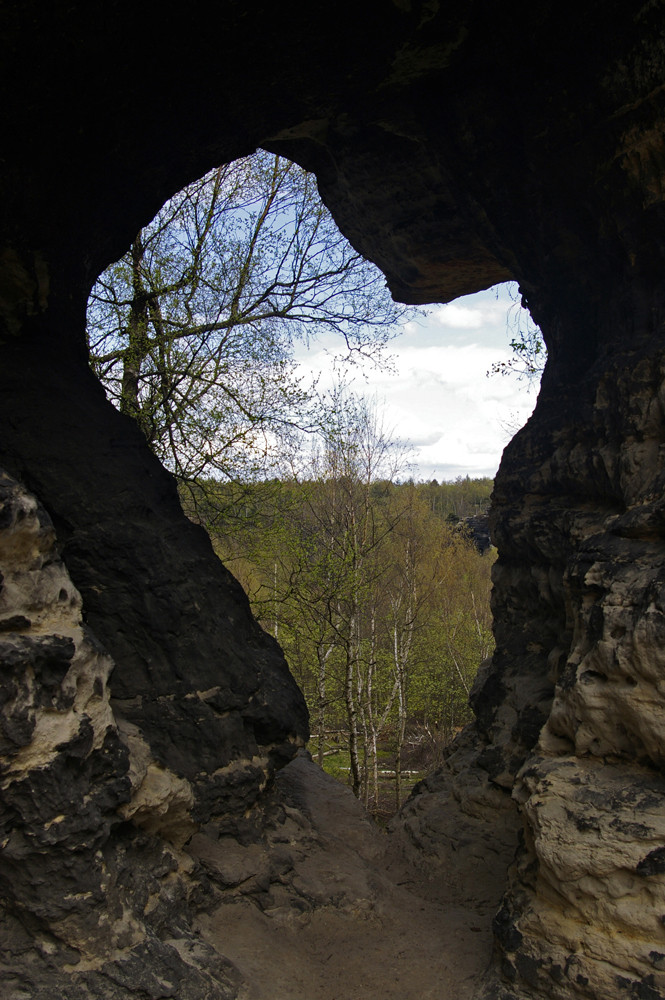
x=191, y=332
x=527, y=344
x=381, y=605
x=455, y=500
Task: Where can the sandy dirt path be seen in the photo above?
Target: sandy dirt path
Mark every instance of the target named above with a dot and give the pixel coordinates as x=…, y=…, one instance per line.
x=355, y=915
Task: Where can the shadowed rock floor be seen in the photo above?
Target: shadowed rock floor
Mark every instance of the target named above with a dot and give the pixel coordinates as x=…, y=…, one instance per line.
x=111, y=890
x=332, y=908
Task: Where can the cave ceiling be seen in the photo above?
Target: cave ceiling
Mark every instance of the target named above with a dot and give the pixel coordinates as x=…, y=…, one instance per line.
x=456, y=145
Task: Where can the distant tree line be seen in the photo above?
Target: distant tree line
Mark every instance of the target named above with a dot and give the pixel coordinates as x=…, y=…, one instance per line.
x=368, y=581
x=379, y=600
x=461, y=498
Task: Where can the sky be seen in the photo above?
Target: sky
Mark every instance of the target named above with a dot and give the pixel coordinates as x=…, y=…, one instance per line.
x=439, y=397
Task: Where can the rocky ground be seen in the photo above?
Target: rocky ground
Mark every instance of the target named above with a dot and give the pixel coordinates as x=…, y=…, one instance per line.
x=115, y=885
x=111, y=889
x=328, y=906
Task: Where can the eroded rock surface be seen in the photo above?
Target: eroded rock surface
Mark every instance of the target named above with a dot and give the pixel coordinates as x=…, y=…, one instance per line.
x=579, y=737
x=92, y=906
x=457, y=147
x=112, y=889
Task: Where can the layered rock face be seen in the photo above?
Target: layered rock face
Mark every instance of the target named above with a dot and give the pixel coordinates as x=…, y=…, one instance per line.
x=95, y=887
x=456, y=148
x=584, y=912
x=111, y=889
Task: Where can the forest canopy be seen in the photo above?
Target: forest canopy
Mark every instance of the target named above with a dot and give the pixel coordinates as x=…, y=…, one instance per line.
x=191, y=332
x=378, y=596
x=370, y=582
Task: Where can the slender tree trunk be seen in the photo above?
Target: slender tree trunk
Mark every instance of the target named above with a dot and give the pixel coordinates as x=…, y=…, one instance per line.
x=351, y=705
x=361, y=702
x=322, y=703
x=403, y=629
x=352, y=654
x=375, y=772
x=401, y=729
x=137, y=338
x=274, y=598
x=352, y=717
x=373, y=735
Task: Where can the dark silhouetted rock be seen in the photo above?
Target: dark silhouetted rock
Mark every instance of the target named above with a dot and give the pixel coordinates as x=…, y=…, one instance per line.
x=477, y=528
x=456, y=146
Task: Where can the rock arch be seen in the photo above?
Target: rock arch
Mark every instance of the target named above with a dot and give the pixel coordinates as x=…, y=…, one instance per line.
x=456, y=148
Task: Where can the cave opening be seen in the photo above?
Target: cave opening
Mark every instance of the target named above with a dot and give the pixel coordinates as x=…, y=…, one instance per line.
x=457, y=148
x=222, y=333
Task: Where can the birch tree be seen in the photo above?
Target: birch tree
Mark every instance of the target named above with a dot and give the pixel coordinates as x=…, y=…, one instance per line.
x=192, y=331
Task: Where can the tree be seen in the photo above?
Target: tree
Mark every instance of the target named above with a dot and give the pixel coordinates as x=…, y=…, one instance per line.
x=322, y=576
x=192, y=331
x=340, y=574
x=526, y=342
x=458, y=632
x=381, y=606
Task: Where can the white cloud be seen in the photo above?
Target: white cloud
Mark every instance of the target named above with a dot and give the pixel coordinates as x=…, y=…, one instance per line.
x=426, y=441
x=440, y=398
x=475, y=312
x=459, y=317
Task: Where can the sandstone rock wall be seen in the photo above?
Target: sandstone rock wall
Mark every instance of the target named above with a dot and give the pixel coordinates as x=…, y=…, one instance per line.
x=206, y=689
x=583, y=912
x=92, y=905
x=457, y=147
